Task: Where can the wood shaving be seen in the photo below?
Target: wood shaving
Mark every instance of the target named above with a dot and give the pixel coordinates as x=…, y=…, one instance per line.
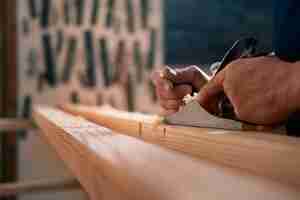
x=189, y=98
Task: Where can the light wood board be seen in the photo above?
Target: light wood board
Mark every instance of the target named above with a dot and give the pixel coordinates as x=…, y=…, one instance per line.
x=264, y=154
x=115, y=166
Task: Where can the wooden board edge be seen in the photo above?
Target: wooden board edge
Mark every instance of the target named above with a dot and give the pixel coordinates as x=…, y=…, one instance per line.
x=274, y=157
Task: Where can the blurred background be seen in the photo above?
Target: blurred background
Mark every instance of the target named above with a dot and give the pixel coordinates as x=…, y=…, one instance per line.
x=200, y=32
x=99, y=52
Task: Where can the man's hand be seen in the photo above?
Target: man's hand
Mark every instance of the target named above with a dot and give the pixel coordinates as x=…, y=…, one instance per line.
x=263, y=90
x=171, y=98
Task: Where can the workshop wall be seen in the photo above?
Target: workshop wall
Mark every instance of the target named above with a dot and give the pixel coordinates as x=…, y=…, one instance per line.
x=91, y=52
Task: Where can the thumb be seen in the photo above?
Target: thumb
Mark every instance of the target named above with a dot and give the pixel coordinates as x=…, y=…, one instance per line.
x=209, y=95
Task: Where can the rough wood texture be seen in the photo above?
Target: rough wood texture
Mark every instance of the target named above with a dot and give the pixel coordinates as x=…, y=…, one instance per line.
x=38, y=186
x=115, y=166
x=15, y=124
x=263, y=154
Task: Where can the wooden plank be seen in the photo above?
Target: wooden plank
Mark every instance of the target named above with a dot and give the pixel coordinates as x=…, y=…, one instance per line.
x=15, y=124
x=120, y=121
x=38, y=186
x=116, y=166
x=263, y=154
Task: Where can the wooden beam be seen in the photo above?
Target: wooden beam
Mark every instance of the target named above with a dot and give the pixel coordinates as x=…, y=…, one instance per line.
x=38, y=186
x=115, y=166
x=8, y=26
x=15, y=124
x=268, y=155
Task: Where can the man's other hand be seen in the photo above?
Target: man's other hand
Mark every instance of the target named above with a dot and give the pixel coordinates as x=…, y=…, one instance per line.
x=262, y=90
x=184, y=80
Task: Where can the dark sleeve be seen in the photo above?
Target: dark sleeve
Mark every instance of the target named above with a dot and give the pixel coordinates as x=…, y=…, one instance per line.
x=287, y=44
x=287, y=29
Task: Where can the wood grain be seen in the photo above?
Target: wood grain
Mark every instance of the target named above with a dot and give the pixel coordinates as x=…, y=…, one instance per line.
x=115, y=166
x=264, y=154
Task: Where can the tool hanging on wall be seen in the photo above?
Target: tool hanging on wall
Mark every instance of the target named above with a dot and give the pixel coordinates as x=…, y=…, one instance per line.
x=32, y=8
x=70, y=59
x=32, y=63
x=26, y=26
x=46, y=5
x=59, y=41
x=50, y=61
x=138, y=61
x=67, y=12
x=110, y=13
x=152, y=50
x=79, y=4
x=25, y=114
x=145, y=9
x=89, y=79
x=95, y=12
x=118, y=68
x=130, y=16
x=106, y=67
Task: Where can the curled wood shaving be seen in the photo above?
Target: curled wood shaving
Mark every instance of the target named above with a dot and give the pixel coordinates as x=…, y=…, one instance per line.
x=189, y=98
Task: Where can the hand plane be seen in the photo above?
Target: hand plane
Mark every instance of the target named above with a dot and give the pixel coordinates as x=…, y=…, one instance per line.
x=192, y=113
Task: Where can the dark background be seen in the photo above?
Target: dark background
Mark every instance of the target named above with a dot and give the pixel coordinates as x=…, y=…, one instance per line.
x=200, y=31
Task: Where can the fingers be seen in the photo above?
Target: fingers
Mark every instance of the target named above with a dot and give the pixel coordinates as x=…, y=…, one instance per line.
x=171, y=96
x=161, y=82
x=189, y=75
x=177, y=92
x=172, y=99
x=165, y=89
x=210, y=93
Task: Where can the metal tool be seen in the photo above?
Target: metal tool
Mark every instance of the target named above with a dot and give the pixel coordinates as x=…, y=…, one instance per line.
x=243, y=48
x=194, y=115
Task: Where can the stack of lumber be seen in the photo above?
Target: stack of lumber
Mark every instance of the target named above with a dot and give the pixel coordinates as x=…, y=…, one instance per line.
x=110, y=164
